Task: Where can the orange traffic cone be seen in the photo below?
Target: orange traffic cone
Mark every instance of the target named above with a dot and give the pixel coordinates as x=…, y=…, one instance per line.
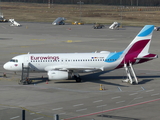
x=46, y=81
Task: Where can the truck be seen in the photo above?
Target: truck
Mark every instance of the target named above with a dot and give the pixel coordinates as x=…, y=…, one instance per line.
x=2, y=19
x=98, y=26
x=59, y=21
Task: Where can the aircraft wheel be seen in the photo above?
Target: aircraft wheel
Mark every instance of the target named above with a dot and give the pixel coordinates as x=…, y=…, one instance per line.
x=78, y=79
x=134, y=83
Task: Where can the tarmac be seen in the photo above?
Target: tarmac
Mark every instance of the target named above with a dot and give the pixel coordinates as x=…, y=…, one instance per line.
x=44, y=99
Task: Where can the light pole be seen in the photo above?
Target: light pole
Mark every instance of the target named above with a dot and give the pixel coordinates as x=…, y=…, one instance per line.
x=0, y=7
x=49, y=3
x=137, y=2
x=80, y=3
x=121, y=10
x=131, y=2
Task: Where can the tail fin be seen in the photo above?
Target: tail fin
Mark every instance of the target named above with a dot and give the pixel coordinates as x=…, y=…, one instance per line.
x=141, y=42
x=139, y=47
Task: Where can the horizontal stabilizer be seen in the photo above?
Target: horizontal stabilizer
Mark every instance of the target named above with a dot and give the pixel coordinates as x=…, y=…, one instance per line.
x=148, y=58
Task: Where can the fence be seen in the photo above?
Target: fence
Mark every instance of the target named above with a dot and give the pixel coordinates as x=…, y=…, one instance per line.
x=105, y=2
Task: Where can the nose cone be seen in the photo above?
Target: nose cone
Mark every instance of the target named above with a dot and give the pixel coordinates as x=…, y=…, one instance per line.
x=6, y=66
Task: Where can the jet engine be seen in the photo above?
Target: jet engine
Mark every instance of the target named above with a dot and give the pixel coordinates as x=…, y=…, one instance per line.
x=59, y=75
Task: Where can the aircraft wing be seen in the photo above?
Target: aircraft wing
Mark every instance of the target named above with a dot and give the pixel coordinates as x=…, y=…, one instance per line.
x=70, y=67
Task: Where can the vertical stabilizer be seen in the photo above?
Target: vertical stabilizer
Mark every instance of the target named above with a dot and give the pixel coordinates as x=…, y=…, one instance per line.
x=141, y=42
x=139, y=47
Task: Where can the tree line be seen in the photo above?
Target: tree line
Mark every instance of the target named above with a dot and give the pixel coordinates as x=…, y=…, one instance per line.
x=105, y=2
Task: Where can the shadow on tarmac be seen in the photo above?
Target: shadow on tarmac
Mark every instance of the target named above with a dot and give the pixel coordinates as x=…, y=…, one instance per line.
x=96, y=78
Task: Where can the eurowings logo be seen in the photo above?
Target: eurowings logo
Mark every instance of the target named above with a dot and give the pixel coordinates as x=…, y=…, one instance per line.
x=44, y=58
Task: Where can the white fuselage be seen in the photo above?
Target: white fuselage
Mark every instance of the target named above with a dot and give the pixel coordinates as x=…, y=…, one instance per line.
x=63, y=61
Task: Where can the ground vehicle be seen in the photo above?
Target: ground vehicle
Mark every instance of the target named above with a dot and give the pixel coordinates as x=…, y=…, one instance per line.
x=115, y=25
x=14, y=23
x=59, y=21
x=98, y=26
x=77, y=23
x=2, y=19
x=157, y=28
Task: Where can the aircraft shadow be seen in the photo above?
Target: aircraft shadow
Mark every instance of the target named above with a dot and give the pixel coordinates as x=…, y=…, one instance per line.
x=38, y=80
x=144, y=81
x=97, y=78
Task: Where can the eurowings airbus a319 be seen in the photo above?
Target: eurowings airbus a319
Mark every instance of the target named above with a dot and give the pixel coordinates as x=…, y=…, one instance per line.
x=67, y=65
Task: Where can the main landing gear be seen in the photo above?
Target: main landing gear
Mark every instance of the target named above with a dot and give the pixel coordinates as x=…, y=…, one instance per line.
x=77, y=78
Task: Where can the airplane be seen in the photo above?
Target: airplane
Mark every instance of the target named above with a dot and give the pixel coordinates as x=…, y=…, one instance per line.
x=60, y=66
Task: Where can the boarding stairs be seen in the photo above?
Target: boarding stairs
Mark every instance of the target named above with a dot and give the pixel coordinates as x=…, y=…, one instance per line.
x=14, y=23
x=115, y=25
x=25, y=75
x=132, y=78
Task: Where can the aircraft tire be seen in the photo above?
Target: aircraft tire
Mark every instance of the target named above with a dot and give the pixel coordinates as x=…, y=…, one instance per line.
x=134, y=83
x=78, y=79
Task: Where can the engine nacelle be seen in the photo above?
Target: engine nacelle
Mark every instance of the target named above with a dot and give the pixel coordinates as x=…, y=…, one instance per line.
x=58, y=75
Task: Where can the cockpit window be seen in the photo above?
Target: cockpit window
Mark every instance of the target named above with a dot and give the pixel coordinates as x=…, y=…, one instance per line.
x=13, y=60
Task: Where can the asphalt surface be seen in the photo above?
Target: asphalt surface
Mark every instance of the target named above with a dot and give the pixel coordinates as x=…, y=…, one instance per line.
x=68, y=99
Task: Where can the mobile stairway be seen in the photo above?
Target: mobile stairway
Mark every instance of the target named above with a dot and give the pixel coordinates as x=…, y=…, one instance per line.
x=25, y=75
x=132, y=78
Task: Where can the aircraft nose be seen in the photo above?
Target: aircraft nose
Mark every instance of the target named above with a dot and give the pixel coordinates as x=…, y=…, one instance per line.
x=6, y=66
